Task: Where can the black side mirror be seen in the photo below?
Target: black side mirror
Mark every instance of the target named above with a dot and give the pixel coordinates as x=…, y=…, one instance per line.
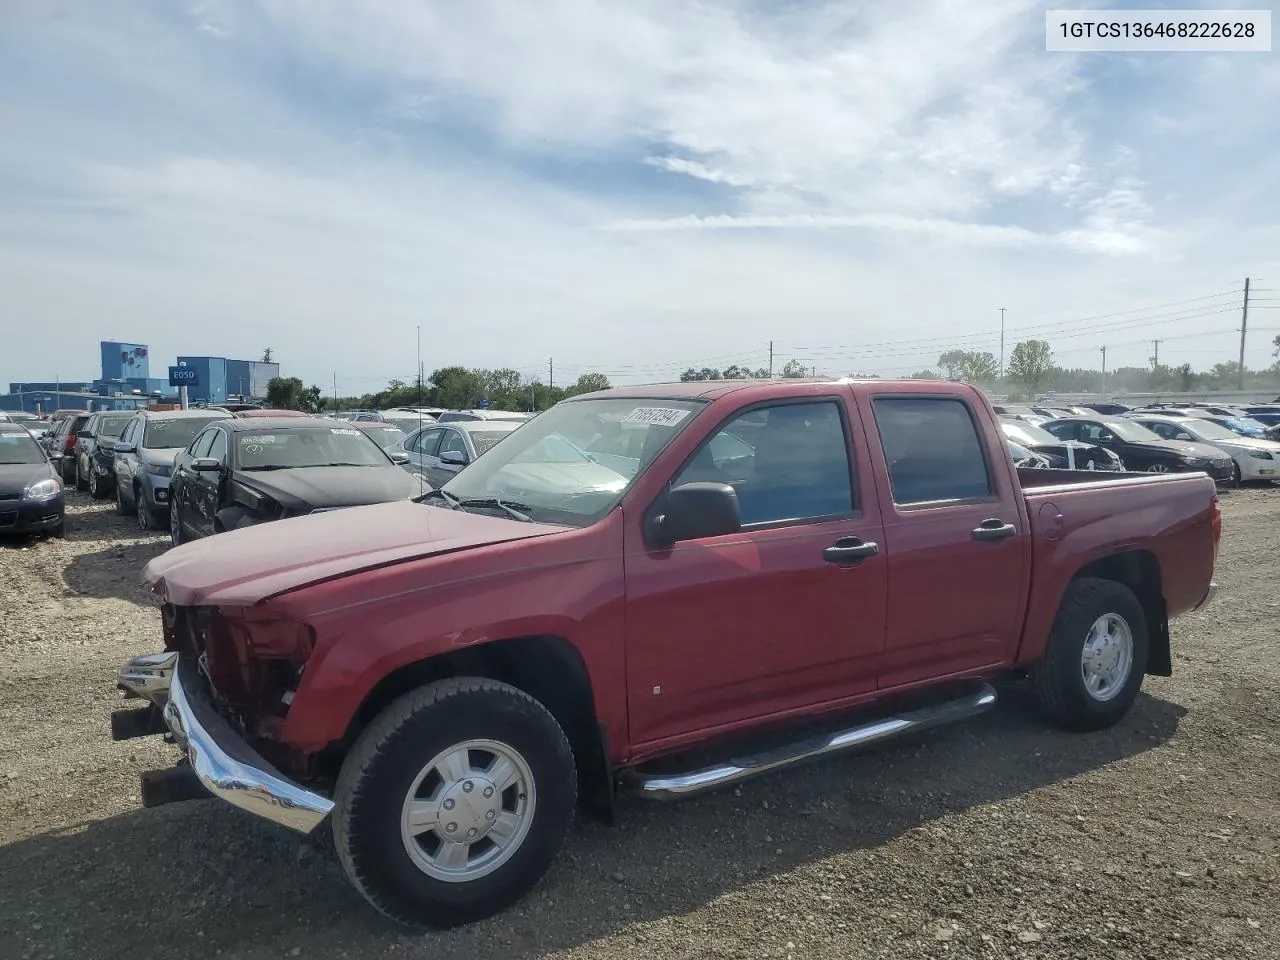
x=455, y=457
x=206, y=465
x=84, y=435
x=696, y=510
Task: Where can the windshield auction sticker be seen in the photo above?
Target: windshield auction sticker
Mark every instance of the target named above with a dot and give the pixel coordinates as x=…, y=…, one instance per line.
x=657, y=416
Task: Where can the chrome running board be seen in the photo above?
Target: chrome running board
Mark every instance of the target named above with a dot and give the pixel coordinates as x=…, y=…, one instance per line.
x=683, y=785
x=148, y=677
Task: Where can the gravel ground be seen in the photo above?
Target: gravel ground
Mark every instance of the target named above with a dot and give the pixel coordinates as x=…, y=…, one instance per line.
x=994, y=838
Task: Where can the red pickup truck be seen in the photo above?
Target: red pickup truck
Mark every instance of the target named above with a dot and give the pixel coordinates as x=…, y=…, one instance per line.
x=659, y=590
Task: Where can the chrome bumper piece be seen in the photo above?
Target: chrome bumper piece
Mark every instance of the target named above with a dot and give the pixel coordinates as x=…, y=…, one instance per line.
x=229, y=768
x=147, y=677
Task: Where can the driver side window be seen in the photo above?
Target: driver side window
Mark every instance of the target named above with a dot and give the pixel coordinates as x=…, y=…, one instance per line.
x=1166, y=430
x=200, y=445
x=453, y=443
x=218, y=446
x=1095, y=432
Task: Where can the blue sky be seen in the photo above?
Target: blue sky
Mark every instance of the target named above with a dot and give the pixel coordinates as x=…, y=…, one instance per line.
x=632, y=187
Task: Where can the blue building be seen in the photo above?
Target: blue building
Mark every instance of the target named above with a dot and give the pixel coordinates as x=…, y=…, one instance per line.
x=125, y=361
x=211, y=373
x=221, y=378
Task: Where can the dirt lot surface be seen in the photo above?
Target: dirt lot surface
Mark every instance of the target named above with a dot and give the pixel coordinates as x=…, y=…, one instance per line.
x=995, y=838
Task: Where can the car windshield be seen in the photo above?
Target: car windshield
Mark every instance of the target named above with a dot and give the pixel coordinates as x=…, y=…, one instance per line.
x=288, y=448
x=1132, y=432
x=1247, y=423
x=113, y=426
x=1026, y=433
x=385, y=435
x=178, y=432
x=408, y=423
x=1208, y=430
x=482, y=440
x=573, y=463
x=18, y=447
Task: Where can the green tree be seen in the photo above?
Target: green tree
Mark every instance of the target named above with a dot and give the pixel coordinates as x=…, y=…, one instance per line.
x=288, y=393
x=588, y=383
x=971, y=365
x=456, y=388
x=924, y=375
x=794, y=369
x=706, y=373
x=735, y=372
x=1030, y=364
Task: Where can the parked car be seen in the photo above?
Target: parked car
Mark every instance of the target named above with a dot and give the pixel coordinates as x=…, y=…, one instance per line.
x=238, y=473
x=1266, y=414
x=144, y=457
x=1019, y=412
x=438, y=452
x=94, y=453
x=1252, y=458
x=408, y=421
x=253, y=412
x=1022, y=457
x=1107, y=409
x=358, y=416
x=384, y=433
x=463, y=416
x=30, y=488
x=60, y=444
x=1237, y=423
x=446, y=677
x=1062, y=454
x=1140, y=449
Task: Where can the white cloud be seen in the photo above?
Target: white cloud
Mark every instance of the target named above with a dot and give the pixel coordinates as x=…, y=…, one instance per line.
x=635, y=184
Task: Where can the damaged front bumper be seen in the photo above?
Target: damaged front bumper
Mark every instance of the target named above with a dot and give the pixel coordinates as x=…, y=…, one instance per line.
x=225, y=765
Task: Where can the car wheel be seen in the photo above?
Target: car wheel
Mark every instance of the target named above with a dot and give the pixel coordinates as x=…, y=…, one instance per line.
x=1158, y=468
x=95, y=485
x=60, y=530
x=146, y=519
x=175, y=524
x=1237, y=478
x=454, y=801
x=121, y=509
x=81, y=483
x=1095, y=658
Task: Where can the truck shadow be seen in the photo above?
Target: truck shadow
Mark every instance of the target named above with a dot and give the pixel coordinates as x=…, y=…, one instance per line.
x=115, y=571
x=210, y=880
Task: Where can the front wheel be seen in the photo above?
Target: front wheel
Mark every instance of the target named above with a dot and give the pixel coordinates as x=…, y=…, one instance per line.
x=82, y=484
x=1096, y=656
x=1237, y=478
x=453, y=802
x=175, y=524
x=121, y=509
x=146, y=518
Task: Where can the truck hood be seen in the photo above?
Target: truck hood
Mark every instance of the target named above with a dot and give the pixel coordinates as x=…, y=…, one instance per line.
x=242, y=567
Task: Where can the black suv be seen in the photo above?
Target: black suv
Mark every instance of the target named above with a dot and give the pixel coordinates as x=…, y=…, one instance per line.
x=93, y=452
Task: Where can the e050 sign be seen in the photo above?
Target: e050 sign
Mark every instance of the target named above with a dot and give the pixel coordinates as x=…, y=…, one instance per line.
x=184, y=377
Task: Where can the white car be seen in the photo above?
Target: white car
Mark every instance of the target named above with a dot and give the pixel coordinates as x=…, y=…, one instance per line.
x=1254, y=458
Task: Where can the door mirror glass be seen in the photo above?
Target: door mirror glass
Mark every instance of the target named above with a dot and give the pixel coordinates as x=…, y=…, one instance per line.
x=123, y=446
x=399, y=458
x=695, y=510
x=1185, y=436
x=456, y=457
x=206, y=465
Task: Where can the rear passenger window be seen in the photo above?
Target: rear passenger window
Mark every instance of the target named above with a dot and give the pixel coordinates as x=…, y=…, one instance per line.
x=786, y=462
x=933, y=450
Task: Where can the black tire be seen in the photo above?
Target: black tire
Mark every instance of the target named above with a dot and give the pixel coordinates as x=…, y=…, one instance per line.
x=1057, y=679
x=122, y=509
x=60, y=530
x=97, y=489
x=81, y=483
x=175, y=524
x=146, y=516
x=1237, y=478
x=390, y=754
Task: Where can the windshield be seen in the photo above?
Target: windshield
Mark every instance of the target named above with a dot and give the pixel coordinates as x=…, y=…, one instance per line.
x=113, y=426
x=163, y=434
x=407, y=423
x=1208, y=430
x=1027, y=433
x=287, y=449
x=484, y=439
x=573, y=463
x=1247, y=423
x=385, y=436
x=19, y=447
x=1132, y=432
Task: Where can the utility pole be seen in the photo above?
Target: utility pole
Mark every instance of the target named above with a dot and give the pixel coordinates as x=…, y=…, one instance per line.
x=551, y=372
x=335, y=391
x=1001, y=376
x=1244, y=327
x=1155, y=356
x=1104, y=372
x=419, y=373
x=770, y=359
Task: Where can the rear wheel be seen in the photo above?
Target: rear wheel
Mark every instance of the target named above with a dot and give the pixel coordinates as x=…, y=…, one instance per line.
x=453, y=802
x=1094, y=661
